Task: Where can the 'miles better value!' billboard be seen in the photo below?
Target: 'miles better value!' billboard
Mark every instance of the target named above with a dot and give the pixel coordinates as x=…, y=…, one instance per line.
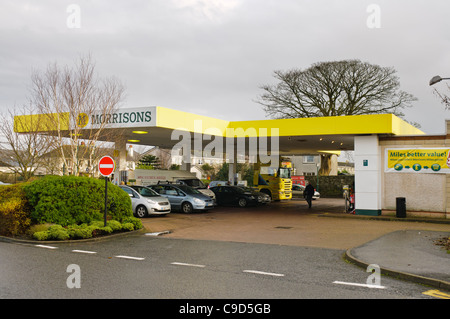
x=418, y=160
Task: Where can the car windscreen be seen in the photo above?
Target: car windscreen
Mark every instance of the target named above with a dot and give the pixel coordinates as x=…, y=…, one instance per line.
x=194, y=183
x=188, y=189
x=147, y=192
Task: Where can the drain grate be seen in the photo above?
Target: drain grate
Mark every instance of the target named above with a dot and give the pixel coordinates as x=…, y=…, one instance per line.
x=283, y=227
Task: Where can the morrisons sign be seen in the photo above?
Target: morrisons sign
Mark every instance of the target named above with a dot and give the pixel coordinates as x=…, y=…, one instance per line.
x=121, y=118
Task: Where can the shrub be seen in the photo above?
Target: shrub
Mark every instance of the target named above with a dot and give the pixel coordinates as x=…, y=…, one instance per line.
x=97, y=224
x=106, y=230
x=128, y=226
x=57, y=232
x=114, y=224
x=14, y=210
x=97, y=228
x=67, y=200
x=137, y=223
x=79, y=232
x=83, y=231
x=41, y=235
x=38, y=227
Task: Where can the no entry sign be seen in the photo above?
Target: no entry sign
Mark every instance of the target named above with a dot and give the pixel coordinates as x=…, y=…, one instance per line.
x=106, y=166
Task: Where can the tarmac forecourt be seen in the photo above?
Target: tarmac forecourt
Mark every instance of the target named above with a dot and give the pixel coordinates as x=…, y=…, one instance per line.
x=364, y=239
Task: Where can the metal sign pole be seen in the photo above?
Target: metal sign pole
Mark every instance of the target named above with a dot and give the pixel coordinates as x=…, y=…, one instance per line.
x=106, y=197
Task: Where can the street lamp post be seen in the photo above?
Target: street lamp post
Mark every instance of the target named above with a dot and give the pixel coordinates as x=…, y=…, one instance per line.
x=437, y=79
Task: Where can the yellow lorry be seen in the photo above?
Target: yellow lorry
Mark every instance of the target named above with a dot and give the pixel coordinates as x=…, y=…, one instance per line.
x=274, y=180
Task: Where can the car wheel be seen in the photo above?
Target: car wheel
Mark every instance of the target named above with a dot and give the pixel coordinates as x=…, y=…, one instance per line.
x=141, y=211
x=242, y=202
x=186, y=207
x=266, y=191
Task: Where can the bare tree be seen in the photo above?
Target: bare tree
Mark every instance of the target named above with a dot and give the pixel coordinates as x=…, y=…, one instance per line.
x=22, y=153
x=70, y=98
x=348, y=87
x=445, y=99
x=165, y=158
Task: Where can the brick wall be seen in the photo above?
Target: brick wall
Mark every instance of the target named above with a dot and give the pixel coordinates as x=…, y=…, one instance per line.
x=331, y=186
x=426, y=194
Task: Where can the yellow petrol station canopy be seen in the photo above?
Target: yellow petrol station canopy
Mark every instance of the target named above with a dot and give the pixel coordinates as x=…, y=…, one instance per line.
x=155, y=125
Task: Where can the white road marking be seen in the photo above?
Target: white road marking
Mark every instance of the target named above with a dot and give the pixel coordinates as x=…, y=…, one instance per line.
x=158, y=233
x=130, y=257
x=84, y=251
x=359, y=285
x=264, y=273
x=45, y=246
x=189, y=265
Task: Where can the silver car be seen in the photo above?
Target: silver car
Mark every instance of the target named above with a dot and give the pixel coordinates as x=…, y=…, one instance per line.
x=198, y=185
x=297, y=191
x=147, y=202
x=184, y=198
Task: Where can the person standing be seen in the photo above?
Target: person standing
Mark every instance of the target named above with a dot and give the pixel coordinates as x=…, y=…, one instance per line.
x=308, y=193
x=351, y=206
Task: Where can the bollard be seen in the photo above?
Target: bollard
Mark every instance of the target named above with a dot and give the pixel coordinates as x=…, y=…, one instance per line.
x=400, y=207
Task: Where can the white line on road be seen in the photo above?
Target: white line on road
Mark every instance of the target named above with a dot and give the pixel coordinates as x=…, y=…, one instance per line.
x=84, y=251
x=359, y=285
x=264, y=273
x=158, y=233
x=45, y=246
x=189, y=265
x=130, y=257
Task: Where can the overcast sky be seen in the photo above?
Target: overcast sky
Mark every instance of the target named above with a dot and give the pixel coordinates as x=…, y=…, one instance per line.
x=210, y=56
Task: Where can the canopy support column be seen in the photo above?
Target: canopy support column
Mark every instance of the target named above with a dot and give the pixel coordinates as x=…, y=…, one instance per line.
x=368, y=170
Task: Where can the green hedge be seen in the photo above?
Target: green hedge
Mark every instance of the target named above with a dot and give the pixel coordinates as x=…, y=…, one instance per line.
x=64, y=207
x=14, y=210
x=69, y=200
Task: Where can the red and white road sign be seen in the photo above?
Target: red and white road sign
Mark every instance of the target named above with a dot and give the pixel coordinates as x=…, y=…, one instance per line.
x=106, y=165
